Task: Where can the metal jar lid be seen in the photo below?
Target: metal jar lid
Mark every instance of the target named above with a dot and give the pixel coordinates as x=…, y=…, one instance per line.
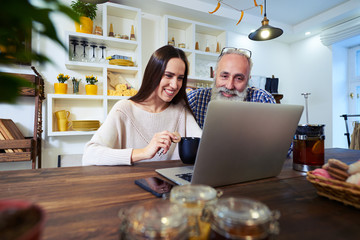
x=310, y=130
x=194, y=193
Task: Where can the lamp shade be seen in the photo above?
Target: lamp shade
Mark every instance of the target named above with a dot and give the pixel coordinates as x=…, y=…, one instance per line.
x=265, y=32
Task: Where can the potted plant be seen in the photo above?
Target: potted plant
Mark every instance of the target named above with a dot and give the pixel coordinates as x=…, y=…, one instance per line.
x=91, y=88
x=87, y=13
x=61, y=86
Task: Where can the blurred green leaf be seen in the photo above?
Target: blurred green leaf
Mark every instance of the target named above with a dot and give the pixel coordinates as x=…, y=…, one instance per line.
x=10, y=87
x=17, y=21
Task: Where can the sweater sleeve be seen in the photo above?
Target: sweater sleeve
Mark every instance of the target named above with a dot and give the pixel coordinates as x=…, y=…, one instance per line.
x=103, y=148
x=192, y=127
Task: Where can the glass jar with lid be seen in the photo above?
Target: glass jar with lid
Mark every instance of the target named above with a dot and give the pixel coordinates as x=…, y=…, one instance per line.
x=160, y=220
x=194, y=198
x=241, y=218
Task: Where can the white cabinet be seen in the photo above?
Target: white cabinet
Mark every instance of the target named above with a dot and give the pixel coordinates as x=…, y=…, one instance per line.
x=202, y=44
x=96, y=107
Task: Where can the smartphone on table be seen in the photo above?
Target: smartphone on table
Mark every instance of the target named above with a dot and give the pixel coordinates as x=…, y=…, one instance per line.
x=155, y=185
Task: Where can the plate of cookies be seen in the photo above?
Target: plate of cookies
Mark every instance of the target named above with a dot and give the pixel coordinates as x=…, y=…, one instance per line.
x=338, y=181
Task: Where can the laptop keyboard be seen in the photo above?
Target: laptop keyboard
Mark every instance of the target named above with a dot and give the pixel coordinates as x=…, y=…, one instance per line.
x=185, y=176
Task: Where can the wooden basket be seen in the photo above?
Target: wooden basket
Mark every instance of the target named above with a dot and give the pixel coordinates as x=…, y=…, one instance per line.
x=344, y=192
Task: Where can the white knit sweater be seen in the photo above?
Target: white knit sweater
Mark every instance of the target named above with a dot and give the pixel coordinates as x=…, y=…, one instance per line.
x=129, y=127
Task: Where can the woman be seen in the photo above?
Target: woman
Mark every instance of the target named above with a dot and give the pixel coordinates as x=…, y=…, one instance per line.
x=142, y=128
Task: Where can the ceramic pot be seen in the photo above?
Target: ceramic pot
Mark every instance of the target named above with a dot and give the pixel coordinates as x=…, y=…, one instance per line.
x=85, y=25
x=30, y=219
x=60, y=88
x=91, y=89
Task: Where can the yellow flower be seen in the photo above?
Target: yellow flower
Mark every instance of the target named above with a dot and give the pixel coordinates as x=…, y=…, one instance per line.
x=61, y=78
x=91, y=79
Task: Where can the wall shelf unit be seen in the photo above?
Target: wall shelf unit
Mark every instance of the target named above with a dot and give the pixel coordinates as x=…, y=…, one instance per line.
x=96, y=107
x=206, y=37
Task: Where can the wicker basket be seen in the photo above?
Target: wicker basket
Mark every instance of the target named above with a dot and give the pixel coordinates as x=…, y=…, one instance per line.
x=344, y=192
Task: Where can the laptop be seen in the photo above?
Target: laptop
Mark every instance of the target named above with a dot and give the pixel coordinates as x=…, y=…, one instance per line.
x=241, y=141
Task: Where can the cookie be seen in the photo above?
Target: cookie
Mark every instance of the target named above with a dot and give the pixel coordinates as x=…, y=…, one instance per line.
x=354, y=168
x=355, y=179
x=338, y=164
x=178, y=137
x=337, y=173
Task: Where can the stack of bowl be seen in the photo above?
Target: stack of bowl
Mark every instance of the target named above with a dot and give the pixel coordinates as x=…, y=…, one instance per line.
x=85, y=125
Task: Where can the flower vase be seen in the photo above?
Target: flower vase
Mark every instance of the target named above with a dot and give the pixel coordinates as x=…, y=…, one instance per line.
x=91, y=89
x=76, y=86
x=60, y=88
x=85, y=25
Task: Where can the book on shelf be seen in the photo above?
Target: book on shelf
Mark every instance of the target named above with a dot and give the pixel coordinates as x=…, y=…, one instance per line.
x=2, y=137
x=9, y=131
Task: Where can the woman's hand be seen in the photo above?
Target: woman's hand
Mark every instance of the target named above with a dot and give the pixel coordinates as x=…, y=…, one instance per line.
x=161, y=140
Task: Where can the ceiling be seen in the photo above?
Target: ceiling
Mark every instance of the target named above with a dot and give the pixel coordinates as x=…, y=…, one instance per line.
x=295, y=17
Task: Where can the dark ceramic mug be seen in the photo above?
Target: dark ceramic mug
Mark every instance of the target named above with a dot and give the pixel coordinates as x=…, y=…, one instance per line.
x=188, y=147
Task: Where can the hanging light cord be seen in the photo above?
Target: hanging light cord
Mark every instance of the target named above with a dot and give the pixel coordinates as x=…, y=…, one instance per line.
x=239, y=10
x=265, y=8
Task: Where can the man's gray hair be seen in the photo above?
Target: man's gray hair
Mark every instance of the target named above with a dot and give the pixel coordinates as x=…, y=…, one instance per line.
x=238, y=52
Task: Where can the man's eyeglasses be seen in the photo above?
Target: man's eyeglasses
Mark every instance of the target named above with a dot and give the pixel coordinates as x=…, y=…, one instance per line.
x=243, y=51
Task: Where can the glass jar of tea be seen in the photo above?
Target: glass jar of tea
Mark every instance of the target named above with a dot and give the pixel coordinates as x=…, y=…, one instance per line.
x=308, y=149
x=193, y=199
x=160, y=220
x=241, y=218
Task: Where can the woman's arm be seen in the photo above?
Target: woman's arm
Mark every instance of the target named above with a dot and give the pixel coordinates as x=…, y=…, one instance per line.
x=104, y=148
x=160, y=141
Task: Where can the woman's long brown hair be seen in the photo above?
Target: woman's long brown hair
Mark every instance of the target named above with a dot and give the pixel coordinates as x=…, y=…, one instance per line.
x=155, y=70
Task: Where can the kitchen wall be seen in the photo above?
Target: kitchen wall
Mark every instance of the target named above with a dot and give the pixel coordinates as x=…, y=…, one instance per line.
x=304, y=66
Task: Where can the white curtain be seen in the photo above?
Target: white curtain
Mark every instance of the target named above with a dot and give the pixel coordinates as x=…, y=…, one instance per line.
x=355, y=137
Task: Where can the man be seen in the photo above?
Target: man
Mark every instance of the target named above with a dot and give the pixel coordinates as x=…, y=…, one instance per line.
x=232, y=74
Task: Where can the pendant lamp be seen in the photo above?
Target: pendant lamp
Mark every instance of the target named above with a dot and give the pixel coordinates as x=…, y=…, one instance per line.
x=265, y=32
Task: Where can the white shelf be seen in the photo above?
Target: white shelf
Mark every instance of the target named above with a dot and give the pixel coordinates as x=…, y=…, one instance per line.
x=75, y=96
x=194, y=78
x=84, y=66
x=103, y=40
x=116, y=98
x=190, y=33
x=123, y=69
x=97, y=67
x=96, y=107
x=70, y=133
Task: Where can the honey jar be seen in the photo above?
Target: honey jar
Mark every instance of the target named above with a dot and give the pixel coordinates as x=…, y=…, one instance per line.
x=241, y=218
x=160, y=219
x=194, y=198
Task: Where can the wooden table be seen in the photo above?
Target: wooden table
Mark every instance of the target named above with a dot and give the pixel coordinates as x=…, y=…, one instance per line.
x=83, y=202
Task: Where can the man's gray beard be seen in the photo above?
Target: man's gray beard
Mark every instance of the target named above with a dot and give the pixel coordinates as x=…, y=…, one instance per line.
x=237, y=96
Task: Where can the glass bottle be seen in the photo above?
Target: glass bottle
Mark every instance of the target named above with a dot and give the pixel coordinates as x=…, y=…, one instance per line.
x=93, y=59
x=74, y=55
x=84, y=55
x=102, y=59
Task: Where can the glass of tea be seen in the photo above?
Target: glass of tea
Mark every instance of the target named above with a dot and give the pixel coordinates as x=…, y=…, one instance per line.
x=308, y=149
